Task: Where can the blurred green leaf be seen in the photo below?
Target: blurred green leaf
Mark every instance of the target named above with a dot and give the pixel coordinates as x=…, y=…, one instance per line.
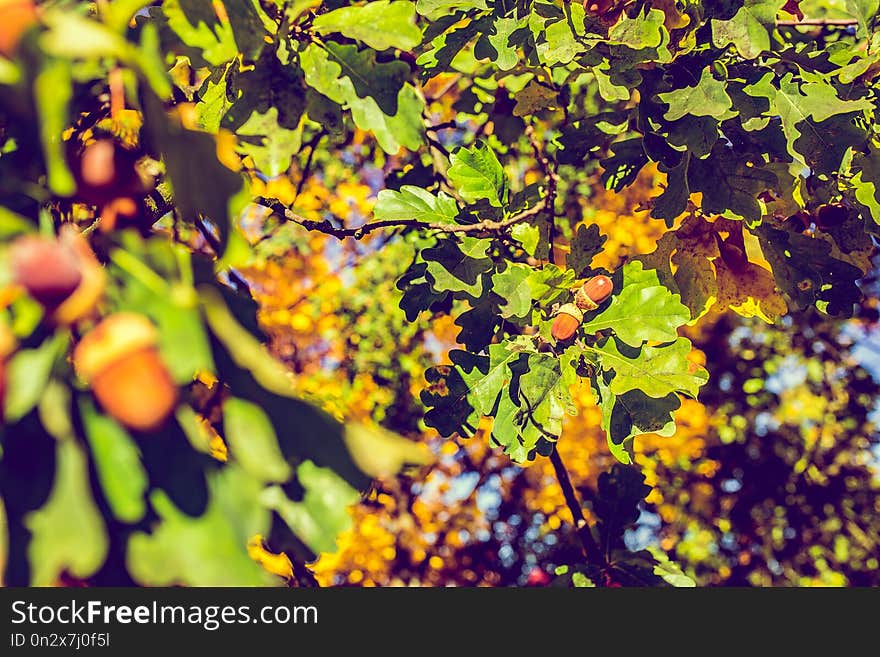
x=27, y=374
x=68, y=532
x=209, y=550
x=117, y=462
x=252, y=441
x=52, y=92
x=323, y=512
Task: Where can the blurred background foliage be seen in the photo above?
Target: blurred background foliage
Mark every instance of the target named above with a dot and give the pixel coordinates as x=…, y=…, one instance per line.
x=770, y=479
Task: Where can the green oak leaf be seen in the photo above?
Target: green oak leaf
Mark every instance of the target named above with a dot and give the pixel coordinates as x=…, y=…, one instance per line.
x=543, y=399
x=696, y=135
x=415, y=203
x=866, y=181
x=749, y=29
x=708, y=98
x=435, y=9
x=27, y=374
x=458, y=266
x=866, y=11
x=381, y=24
x=587, y=243
x=729, y=182
x=512, y=285
x=466, y=390
x=641, y=310
x=418, y=295
x=197, y=25
x=656, y=371
x=528, y=235
x=633, y=413
x=621, y=168
x=479, y=323
x=826, y=143
x=345, y=74
x=213, y=100
x=444, y=48
x=202, y=185
x=673, y=201
x=644, y=31
x=802, y=106
x=496, y=45
x=375, y=93
x=477, y=174
x=807, y=272
x=271, y=146
x=561, y=45
x=551, y=284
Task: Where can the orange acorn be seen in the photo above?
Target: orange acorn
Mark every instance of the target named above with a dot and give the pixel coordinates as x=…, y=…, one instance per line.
x=120, y=361
x=16, y=18
x=568, y=318
x=593, y=292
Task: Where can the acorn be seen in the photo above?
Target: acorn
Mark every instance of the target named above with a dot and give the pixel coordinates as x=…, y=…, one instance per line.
x=106, y=171
x=84, y=300
x=568, y=318
x=47, y=269
x=592, y=293
x=119, y=359
x=16, y=18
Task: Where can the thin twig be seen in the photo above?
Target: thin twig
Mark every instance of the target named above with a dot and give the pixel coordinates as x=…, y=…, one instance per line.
x=307, y=169
x=819, y=22
x=324, y=226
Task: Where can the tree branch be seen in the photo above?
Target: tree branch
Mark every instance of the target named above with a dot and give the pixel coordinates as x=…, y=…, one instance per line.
x=486, y=226
x=819, y=22
x=585, y=534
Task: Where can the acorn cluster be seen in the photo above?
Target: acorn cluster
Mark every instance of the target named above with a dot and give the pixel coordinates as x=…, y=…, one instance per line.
x=587, y=297
x=118, y=357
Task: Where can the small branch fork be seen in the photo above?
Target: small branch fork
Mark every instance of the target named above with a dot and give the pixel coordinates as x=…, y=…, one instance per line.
x=485, y=227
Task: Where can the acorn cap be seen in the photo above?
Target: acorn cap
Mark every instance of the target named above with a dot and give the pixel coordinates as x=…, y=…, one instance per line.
x=571, y=309
x=111, y=340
